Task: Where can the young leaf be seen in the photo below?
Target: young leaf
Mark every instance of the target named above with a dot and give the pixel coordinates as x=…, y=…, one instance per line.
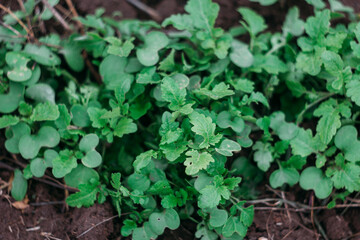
x=346, y=140
x=227, y=147
x=220, y=90
x=313, y=178
x=197, y=161
x=45, y=112
x=144, y=160
x=167, y=219
x=262, y=156
x=125, y=126
x=284, y=175
x=85, y=198
x=8, y=120
x=64, y=163
x=254, y=22
x=19, y=186
x=92, y=158
x=204, y=127
x=218, y=217
x=30, y=145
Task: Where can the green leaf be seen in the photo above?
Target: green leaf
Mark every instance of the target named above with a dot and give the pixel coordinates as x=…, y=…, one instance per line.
x=254, y=22
x=9, y=102
x=305, y=144
x=316, y=3
x=81, y=175
x=262, y=156
x=204, y=127
x=144, y=233
x=42, y=55
x=128, y=226
x=25, y=109
x=64, y=163
x=154, y=41
x=241, y=55
x=247, y=215
x=73, y=57
x=113, y=71
x=346, y=140
x=332, y=62
x=197, y=161
x=348, y=177
x=218, y=217
x=19, y=186
x=244, y=85
x=18, y=62
x=285, y=131
x=270, y=63
x=41, y=92
x=174, y=150
x=210, y=197
x=137, y=181
x=174, y=93
x=15, y=133
x=227, y=147
x=313, y=178
x=265, y=2
x=234, y=225
x=166, y=219
x=45, y=112
x=30, y=145
x=203, y=13
x=316, y=27
x=205, y=234
x=169, y=201
x=284, y=175
x=38, y=166
x=144, y=159
x=293, y=23
x=309, y=63
x=258, y=97
x=92, y=158
x=95, y=115
x=63, y=121
x=85, y=198
x=224, y=120
x=329, y=121
x=8, y=120
x=125, y=126
x=353, y=90
x=118, y=48
x=220, y=90
x=168, y=64
x=80, y=117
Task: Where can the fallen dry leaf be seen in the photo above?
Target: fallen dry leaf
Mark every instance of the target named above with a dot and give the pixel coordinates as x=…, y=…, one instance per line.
x=21, y=205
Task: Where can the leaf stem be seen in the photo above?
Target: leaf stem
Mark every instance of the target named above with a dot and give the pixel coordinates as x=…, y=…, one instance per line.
x=301, y=115
x=276, y=47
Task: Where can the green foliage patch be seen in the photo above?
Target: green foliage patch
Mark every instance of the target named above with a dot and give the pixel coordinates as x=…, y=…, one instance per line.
x=184, y=123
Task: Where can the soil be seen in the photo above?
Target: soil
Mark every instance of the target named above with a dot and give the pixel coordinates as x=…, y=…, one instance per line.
x=46, y=218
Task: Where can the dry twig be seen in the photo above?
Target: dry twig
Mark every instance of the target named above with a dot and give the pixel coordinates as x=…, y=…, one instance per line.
x=104, y=221
x=56, y=15
x=29, y=33
x=21, y=4
x=143, y=7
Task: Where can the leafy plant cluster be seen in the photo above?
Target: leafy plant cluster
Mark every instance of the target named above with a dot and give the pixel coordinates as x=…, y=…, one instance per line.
x=185, y=114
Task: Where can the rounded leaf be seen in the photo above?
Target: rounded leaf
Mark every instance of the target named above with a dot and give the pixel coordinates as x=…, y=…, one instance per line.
x=313, y=178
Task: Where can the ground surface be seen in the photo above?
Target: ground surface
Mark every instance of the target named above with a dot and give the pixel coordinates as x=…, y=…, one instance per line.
x=46, y=218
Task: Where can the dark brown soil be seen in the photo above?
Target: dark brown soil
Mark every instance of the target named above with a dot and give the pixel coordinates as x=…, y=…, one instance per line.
x=44, y=220
x=55, y=221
